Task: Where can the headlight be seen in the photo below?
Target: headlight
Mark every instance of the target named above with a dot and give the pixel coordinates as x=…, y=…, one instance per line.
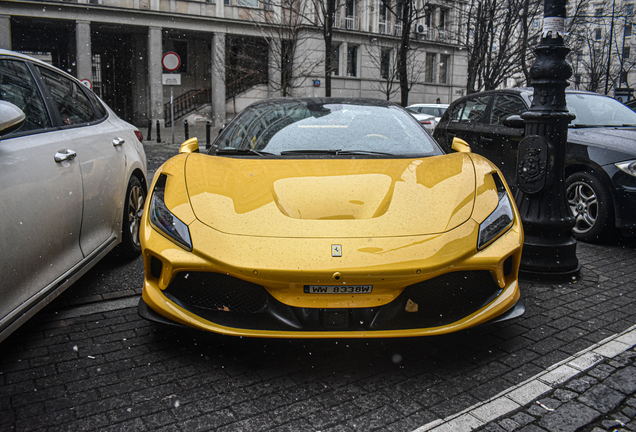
x=163, y=220
x=499, y=220
x=629, y=167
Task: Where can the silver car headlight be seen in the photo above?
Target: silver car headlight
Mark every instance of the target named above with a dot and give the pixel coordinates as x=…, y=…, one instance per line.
x=628, y=166
x=163, y=220
x=499, y=220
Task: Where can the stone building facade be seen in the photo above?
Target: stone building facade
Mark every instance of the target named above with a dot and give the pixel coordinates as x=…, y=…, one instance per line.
x=118, y=46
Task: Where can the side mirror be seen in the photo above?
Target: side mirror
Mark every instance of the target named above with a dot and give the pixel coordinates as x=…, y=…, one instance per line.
x=190, y=146
x=11, y=117
x=514, y=121
x=459, y=145
x=221, y=130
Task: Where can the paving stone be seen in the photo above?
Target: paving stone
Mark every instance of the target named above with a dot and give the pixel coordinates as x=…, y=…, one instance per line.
x=509, y=425
x=568, y=417
x=565, y=395
x=578, y=385
x=623, y=380
x=523, y=418
x=602, y=398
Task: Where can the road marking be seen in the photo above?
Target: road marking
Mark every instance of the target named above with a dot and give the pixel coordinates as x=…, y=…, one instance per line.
x=521, y=394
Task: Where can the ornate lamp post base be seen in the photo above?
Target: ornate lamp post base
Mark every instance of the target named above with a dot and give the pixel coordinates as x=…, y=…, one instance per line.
x=549, y=250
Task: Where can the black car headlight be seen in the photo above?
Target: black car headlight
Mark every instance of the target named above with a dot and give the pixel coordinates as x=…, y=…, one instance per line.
x=163, y=219
x=628, y=166
x=499, y=220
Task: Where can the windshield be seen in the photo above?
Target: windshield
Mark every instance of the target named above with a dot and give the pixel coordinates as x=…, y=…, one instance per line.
x=597, y=110
x=310, y=127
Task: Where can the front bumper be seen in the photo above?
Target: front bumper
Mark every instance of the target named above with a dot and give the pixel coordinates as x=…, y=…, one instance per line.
x=422, y=285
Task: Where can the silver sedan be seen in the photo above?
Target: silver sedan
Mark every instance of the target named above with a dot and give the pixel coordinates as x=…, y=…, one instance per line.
x=72, y=185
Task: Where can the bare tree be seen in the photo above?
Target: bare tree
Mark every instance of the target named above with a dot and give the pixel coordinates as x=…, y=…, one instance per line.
x=596, y=38
x=281, y=24
x=406, y=14
x=383, y=55
x=323, y=16
x=495, y=39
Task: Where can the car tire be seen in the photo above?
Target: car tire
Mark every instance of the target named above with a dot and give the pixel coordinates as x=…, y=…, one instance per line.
x=590, y=202
x=130, y=246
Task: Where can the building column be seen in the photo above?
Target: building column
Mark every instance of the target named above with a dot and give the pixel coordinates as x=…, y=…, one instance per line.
x=5, y=32
x=218, y=79
x=155, y=96
x=344, y=56
x=83, y=56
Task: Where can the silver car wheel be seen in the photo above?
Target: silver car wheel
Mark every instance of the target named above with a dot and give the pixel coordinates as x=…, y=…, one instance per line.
x=583, y=205
x=135, y=211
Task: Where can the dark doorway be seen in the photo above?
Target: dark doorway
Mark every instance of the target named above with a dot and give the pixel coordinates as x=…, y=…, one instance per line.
x=50, y=40
x=113, y=68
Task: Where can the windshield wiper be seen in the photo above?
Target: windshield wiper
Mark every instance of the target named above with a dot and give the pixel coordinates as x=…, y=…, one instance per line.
x=243, y=152
x=335, y=152
x=602, y=126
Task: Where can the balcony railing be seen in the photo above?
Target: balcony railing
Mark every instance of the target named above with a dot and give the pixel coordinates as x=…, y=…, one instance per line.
x=349, y=22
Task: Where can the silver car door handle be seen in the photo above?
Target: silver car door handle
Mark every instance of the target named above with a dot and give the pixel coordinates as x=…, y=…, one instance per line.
x=118, y=141
x=63, y=155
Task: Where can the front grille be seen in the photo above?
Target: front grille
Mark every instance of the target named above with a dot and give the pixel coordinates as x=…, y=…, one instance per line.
x=446, y=298
x=232, y=302
x=216, y=292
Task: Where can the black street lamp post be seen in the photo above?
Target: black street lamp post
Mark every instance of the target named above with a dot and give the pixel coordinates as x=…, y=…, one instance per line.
x=549, y=250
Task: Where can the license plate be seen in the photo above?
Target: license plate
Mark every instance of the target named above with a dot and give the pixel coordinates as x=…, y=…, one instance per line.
x=340, y=289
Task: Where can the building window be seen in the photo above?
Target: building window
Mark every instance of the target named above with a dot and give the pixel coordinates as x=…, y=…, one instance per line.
x=335, y=60
x=430, y=67
x=352, y=61
x=97, y=74
x=598, y=34
x=628, y=30
x=247, y=3
x=626, y=52
x=629, y=9
x=444, y=61
x=385, y=63
x=623, y=78
x=535, y=23
x=598, y=12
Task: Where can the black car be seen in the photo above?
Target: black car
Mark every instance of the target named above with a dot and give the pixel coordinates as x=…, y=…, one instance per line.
x=600, y=155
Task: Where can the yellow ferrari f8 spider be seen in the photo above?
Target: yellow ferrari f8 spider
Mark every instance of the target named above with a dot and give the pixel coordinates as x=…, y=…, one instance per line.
x=329, y=218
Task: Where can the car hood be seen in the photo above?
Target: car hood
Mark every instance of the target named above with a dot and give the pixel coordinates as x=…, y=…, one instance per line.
x=331, y=197
x=621, y=139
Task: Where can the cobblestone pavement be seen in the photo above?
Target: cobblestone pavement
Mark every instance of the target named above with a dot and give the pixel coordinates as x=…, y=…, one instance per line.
x=88, y=362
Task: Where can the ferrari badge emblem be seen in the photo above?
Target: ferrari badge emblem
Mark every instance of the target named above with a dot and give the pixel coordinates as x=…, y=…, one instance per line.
x=336, y=250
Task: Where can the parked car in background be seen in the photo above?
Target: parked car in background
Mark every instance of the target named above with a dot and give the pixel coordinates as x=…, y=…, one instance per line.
x=600, y=155
x=426, y=120
x=72, y=185
x=436, y=110
x=329, y=218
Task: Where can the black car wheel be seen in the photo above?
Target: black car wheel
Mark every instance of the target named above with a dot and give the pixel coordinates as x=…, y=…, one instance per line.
x=591, y=205
x=130, y=246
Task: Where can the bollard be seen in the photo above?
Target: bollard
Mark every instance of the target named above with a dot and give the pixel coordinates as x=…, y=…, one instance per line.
x=207, y=134
x=149, y=136
x=158, y=132
x=186, y=131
